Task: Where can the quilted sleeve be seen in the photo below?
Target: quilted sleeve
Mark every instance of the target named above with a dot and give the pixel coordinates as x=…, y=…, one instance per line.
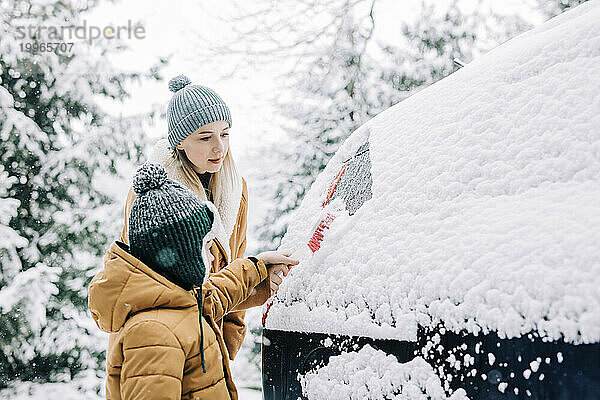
x=153, y=362
x=230, y=286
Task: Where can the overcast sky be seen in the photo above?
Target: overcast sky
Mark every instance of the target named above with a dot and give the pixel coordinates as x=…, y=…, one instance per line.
x=172, y=28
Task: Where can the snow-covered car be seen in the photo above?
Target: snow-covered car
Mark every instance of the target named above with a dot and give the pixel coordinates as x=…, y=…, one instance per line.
x=451, y=247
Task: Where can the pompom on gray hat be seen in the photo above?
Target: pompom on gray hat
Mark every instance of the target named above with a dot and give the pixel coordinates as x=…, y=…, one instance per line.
x=191, y=107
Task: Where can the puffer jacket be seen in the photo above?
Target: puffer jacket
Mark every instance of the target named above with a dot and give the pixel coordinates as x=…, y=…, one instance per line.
x=154, y=349
x=234, y=217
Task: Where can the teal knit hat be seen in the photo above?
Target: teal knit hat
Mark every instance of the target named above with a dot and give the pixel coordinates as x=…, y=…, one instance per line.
x=191, y=107
x=169, y=227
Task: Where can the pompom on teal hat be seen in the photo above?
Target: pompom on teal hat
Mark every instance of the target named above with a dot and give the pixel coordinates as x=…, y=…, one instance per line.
x=191, y=107
x=169, y=227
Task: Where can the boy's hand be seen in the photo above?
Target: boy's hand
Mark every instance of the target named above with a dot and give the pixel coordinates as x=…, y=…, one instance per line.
x=276, y=273
x=278, y=265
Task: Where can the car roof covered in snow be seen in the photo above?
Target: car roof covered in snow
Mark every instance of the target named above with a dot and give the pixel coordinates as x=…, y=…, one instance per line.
x=484, y=203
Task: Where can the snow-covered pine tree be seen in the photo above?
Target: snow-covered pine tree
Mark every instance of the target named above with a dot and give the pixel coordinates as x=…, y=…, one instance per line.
x=62, y=160
x=9, y=245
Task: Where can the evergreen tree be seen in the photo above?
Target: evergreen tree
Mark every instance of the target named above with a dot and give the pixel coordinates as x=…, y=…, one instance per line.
x=61, y=159
x=552, y=8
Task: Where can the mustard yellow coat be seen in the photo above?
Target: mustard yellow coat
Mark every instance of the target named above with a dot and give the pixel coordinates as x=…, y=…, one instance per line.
x=154, y=351
x=232, y=325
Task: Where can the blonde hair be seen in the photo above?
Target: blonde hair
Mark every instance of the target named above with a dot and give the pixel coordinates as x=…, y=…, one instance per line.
x=222, y=181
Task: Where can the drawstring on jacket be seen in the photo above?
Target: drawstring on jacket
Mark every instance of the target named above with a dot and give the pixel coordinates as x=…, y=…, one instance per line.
x=199, y=300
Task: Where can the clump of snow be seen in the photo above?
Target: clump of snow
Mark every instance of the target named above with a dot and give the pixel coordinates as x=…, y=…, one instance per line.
x=502, y=386
x=372, y=374
x=535, y=364
x=484, y=211
x=559, y=357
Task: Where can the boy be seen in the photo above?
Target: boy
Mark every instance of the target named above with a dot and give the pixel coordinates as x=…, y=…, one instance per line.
x=155, y=293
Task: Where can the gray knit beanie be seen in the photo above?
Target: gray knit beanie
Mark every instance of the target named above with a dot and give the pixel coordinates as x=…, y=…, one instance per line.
x=191, y=107
x=168, y=226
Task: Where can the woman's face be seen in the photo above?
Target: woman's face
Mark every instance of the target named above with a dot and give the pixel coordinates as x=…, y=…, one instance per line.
x=207, y=147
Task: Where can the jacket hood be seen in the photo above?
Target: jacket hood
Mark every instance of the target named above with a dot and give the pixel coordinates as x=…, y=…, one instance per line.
x=126, y=286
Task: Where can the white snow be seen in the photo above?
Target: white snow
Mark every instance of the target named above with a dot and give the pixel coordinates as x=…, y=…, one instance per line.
x=371, y=374
x=249, y=394
x=485, y=211
x=84, y=386
x=502, y=386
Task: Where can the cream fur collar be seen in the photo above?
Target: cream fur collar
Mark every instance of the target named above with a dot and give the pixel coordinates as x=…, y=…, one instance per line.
x=228, y=207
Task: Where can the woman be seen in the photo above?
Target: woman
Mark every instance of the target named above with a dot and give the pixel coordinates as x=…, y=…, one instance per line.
x=196, y=153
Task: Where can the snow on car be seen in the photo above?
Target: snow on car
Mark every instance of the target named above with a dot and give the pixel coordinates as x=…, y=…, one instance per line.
x=460, y=226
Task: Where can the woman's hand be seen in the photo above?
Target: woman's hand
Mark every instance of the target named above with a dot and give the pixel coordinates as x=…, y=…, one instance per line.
x=276, y=257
